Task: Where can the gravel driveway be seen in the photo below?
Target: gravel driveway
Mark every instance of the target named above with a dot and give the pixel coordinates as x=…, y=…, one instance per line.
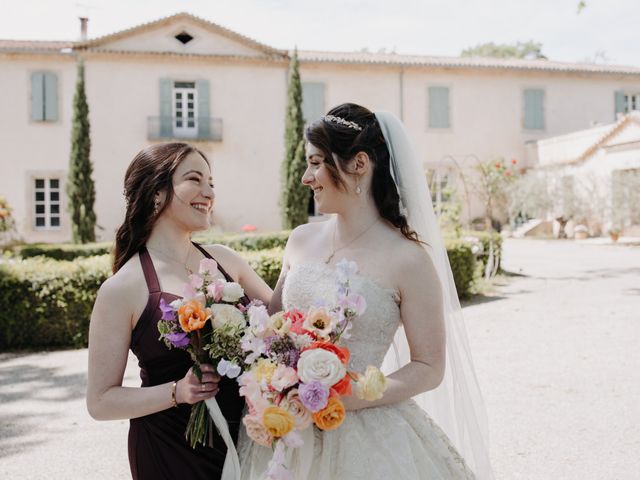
x=556, y=350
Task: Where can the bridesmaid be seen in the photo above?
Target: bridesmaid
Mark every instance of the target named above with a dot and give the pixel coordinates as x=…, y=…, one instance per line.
x=169, y=194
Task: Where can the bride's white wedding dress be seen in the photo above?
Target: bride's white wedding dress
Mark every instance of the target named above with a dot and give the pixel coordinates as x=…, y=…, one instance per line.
x=398, y=441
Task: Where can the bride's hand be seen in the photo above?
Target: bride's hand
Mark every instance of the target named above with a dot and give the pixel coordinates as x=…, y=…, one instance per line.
x=191, y=389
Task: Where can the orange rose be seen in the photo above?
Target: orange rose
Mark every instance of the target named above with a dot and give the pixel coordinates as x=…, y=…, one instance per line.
x=343, y=387
x=341, y=352
x=193, y=315
x=331, y=416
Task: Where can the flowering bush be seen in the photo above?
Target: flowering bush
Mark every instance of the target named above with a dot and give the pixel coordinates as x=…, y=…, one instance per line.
x=6, y=220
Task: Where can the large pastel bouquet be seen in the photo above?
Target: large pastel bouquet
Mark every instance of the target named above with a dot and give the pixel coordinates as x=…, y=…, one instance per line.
x=209, y=323
x=296, y=370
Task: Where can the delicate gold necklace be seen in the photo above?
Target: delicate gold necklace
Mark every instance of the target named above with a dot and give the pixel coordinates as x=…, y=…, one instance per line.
x=334, y=250
x=172, y=259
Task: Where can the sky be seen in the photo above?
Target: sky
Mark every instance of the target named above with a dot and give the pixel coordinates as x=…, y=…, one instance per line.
x=605, y=31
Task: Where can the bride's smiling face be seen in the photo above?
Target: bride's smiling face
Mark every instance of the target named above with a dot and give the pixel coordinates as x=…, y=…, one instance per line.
x=193, y=196
x=327, y=195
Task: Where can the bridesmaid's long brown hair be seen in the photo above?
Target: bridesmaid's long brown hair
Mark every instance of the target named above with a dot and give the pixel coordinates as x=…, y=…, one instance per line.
x=150, y=171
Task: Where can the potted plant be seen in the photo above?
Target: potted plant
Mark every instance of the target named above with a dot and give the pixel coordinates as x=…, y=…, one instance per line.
x=580, y=232
x=614, y=234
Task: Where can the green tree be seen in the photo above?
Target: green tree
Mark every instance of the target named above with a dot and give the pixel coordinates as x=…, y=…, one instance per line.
x=529, y=50
x=294, y=196
x=80, y=186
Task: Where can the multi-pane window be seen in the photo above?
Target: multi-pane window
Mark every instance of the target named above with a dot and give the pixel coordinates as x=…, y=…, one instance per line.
x=44, y=97
x=631, y=102
x=46, y=202
x=185, y=110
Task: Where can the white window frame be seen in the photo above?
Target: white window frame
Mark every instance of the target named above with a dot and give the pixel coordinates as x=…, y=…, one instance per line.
x=180, y=95
x=47, y=202
x=440, y=179
x=631, y=102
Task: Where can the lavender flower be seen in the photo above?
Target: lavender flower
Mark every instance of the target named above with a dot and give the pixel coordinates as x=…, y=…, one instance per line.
x=282, y=350
x=179, y=339
x=313, y=395
x=168, y=313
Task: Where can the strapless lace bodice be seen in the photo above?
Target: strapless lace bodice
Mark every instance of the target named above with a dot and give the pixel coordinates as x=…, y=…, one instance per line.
x=372, y=332
x=397, y=441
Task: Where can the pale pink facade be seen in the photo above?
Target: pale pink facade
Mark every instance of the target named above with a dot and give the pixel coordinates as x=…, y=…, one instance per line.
x=239, y=88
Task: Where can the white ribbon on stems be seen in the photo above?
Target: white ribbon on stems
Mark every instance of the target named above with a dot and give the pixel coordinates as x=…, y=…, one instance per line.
x=231, y=469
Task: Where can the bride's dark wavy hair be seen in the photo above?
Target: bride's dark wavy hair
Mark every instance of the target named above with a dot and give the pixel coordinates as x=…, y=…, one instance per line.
x=345, y=142
x=150, y=171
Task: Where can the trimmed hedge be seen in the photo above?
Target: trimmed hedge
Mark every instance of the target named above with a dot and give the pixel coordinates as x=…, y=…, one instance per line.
x=247, y=242
x=63, y=251
x=463, y=265
x=47, y=303
x=70, y=251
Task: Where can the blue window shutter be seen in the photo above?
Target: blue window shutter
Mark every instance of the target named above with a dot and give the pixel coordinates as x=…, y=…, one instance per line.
x=166, y=122
x=204, y=122
x=439, y=107
x=620, y=104
x=312, y=101
x=50, y=97
x=533, y=109
x=37, y=96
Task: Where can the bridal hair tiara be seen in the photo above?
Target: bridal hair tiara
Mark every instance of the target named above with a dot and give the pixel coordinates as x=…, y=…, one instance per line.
x=342, y=121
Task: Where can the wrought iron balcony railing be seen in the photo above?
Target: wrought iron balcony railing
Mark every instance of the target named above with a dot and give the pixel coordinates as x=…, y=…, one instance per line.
x=207, y=129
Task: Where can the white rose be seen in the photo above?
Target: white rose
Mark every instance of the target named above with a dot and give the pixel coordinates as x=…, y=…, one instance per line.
x=226, y=314
x=320, y=365
x=232, y=292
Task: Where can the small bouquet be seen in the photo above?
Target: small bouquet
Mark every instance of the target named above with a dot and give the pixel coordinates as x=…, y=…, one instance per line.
x=297, y=372
x=209, y=323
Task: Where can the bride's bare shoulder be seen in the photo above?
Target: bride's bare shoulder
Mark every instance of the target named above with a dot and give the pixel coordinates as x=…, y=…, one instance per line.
x=305, y=238
x=303, y=234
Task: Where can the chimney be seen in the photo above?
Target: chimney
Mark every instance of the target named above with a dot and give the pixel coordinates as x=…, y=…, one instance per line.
x=83, y=28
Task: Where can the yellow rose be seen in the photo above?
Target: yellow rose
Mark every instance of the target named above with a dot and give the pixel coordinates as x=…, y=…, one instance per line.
x=371, y=385
x=277, y=421
x=264, y=370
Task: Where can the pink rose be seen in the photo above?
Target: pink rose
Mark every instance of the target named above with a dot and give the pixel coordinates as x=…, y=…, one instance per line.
x=257, y=431
x=283, y=377
x=294, y=406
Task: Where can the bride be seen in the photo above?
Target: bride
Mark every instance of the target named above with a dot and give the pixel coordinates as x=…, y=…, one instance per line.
x=429, y=424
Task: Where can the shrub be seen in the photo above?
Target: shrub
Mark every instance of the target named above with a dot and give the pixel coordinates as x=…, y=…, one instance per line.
x=463, y=265
x=246, y=242
x=63, y=251
x=47, y=303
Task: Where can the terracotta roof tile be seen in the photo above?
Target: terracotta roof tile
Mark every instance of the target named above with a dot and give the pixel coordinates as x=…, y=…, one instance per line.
x=394, y=59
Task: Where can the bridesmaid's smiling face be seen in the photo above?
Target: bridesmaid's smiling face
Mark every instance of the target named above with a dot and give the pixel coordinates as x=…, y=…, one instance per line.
x=193, y=195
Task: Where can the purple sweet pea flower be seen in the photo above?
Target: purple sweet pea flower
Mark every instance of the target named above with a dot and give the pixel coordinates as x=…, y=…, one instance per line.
x=179, y=339
x=168, y=313
x=314, y=395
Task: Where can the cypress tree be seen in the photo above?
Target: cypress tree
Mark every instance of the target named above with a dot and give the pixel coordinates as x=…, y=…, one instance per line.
x=80, y=186
x=294, y=195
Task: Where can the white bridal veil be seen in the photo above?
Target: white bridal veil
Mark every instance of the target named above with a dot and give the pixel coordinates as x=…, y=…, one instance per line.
x=456, y=405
